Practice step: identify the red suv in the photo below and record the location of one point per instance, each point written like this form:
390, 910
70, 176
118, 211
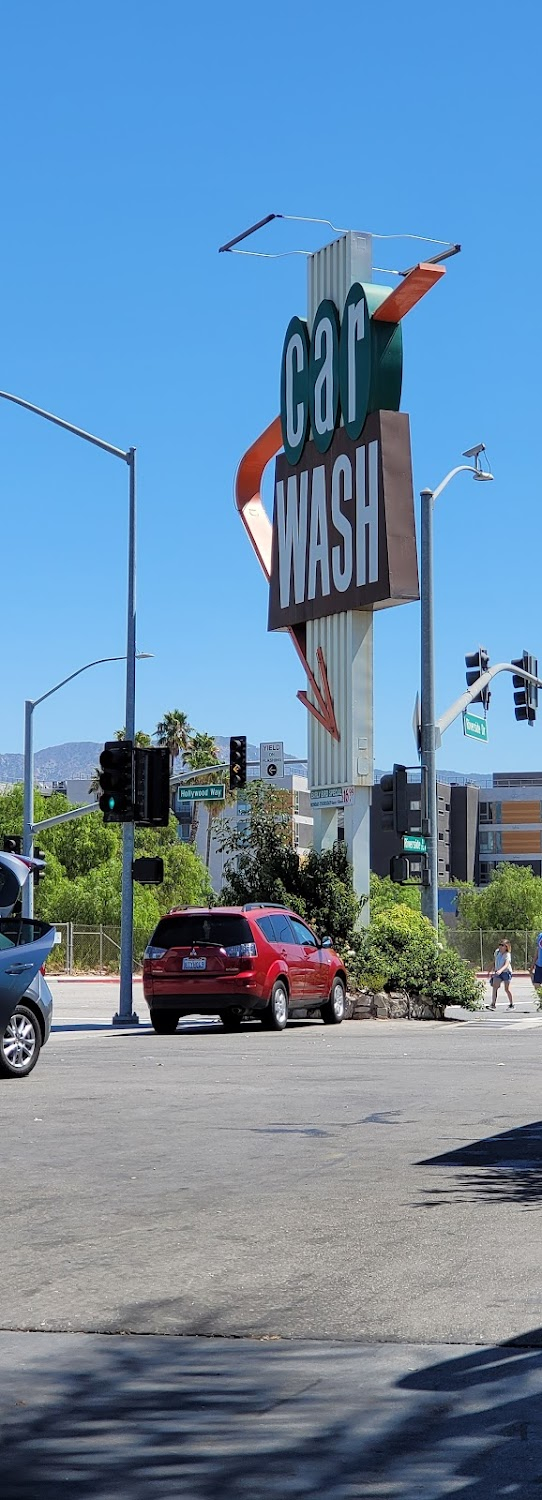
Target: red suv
238, 961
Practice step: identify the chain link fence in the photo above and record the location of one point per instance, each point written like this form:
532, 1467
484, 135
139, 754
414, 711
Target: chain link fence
96, 950
478, 945
90, 950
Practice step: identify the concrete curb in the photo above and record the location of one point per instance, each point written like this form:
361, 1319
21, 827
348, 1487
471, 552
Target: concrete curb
90, 978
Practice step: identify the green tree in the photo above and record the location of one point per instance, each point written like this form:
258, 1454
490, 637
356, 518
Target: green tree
385, 893
174, 731
512, 901
263, 866
82, 880
261, 863
326, 889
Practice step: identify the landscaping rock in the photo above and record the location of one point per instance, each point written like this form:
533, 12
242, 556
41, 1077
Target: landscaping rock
365, 1005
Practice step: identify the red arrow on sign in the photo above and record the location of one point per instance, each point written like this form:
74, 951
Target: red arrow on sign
324, 712
248, 499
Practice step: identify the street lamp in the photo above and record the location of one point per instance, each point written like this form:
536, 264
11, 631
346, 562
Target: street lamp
428, 744
125, 1012
28, 798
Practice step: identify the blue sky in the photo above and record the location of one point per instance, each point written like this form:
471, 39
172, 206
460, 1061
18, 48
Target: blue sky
137, 139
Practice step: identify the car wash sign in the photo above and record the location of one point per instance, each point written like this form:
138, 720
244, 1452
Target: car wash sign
343, 525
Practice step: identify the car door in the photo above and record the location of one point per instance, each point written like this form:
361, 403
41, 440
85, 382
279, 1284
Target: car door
285, 943
24, 944
24, 948
315, 976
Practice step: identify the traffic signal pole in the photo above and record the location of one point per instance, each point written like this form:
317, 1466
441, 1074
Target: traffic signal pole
28, 804
474, 691
126, 1016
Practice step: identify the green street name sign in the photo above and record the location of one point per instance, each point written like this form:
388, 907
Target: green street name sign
414, 843
474, 727
211, 793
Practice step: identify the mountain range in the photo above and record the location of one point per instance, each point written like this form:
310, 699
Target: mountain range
78, 759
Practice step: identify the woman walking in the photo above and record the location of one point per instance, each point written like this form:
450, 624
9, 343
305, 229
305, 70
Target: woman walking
501, 973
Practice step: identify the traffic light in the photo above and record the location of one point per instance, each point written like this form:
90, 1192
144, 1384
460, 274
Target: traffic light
116, 781
476, 664
147, 870
400, 869
394, 806
525, 693
238, 762
38, 874
152, 798
12, 843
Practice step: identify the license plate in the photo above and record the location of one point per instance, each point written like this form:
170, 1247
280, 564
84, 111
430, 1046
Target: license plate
194, 963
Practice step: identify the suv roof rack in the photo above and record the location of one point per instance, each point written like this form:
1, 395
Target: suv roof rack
265, 905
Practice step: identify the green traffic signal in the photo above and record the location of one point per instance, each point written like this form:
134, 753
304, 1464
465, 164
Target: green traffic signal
116, 781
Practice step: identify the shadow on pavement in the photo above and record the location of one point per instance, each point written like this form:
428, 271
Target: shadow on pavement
145, 1418
505, 1168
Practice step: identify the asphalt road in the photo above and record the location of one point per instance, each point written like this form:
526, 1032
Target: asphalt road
361, 1203
373, 1181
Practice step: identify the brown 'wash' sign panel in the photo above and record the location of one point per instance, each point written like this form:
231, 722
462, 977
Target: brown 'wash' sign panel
343, 525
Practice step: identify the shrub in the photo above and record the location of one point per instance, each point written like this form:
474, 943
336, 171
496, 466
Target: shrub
400, 946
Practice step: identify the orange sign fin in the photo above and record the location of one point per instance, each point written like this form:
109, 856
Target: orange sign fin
248, 500
411, 289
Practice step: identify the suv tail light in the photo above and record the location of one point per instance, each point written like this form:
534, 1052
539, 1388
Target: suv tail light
241, 950
151, 952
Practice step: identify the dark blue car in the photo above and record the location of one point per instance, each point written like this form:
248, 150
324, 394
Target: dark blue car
26, 1003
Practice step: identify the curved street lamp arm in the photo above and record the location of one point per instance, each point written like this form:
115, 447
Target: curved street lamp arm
88, 664
68, 426
461, 469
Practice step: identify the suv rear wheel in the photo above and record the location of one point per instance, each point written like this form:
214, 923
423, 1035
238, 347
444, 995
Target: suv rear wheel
20, 1045
333, 1011
275, 1014
164, 1021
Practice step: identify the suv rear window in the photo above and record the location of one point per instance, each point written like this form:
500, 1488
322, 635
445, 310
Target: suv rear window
277, 929
203, 928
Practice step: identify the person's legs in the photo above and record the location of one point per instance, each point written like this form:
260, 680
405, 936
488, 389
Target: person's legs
494, 988
509, 993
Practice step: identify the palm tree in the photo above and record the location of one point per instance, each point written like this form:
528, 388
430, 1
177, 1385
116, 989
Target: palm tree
175, 732
204, 752
140, 738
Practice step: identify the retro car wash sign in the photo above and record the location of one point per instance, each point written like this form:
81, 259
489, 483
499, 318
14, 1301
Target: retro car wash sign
343, 525
343, 370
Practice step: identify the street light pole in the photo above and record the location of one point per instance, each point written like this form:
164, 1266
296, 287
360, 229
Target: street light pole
125, 1012
428, 737
429, 760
